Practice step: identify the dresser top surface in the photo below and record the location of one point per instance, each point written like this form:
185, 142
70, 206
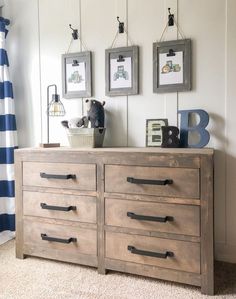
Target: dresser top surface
151, 150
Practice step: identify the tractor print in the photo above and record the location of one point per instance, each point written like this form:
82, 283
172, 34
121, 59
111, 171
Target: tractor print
170, 67
121, 73
75, 78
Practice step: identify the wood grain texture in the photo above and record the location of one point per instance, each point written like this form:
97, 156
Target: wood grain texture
185, 181
151, 198
186, 254
85, 175
135, 231
207, 226
104, 240
155, 272
86, 239
19, 207
186, 219
60, 255
86, 207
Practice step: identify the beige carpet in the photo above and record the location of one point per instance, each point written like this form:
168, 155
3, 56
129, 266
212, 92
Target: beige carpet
38, 278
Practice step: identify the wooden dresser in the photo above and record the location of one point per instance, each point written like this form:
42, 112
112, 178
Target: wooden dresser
147, 211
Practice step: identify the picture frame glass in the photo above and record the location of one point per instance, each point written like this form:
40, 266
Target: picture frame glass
75, 76
171, 68
121, 73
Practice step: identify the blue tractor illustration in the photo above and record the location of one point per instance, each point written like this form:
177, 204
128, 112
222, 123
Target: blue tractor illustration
121, 73
75, 78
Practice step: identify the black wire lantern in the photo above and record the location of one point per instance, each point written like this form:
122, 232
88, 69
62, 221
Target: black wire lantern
54, 107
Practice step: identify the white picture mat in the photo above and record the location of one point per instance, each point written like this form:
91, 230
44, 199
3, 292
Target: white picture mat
121, 81
171, 77
79, 84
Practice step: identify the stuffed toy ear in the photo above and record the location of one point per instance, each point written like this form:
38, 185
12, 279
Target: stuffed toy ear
65, 123
103, 103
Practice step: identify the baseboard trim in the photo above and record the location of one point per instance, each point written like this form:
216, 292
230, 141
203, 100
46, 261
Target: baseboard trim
225, 253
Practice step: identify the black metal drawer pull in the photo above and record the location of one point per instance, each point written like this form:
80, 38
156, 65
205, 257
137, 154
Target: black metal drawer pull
57, 208
159, 255
58, 240
57, 176
150, 218
149, 182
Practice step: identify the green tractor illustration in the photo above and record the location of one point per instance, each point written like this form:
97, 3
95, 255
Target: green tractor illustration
121, 73
170, 67
75, 78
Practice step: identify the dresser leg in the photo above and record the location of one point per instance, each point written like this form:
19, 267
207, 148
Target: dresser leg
208, 290
20, 256
102, 270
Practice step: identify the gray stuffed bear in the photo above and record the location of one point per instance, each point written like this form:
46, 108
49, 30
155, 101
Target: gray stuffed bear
95, 116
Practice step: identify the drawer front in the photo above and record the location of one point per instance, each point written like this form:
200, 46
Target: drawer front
185, 182
85, 175
186, 255
74, 208
161, 217
85, 239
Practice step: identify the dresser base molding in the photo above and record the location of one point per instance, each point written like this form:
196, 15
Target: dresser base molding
101, 191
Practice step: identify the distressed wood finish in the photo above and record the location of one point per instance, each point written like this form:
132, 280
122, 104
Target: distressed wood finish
186, 254
207, 226
185, 181
155, 272
86, 239
103, 196
85, 175
85, 206
186, 219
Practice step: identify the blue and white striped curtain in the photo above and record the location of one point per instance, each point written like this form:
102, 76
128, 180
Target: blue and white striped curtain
8, 142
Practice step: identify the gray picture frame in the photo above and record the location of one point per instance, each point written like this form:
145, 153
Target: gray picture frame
155, 143
85, 57
122, 53
170, 47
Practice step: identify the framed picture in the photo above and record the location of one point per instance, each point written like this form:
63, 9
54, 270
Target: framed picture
122, 71
172, 66
76, 75
154, 132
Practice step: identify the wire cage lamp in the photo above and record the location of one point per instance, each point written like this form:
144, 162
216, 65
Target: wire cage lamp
54, 108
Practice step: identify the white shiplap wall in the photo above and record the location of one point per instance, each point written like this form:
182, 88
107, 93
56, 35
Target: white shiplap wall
39, 34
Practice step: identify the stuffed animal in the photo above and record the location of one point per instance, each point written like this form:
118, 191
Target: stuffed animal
76, 122
95, 117
95, 113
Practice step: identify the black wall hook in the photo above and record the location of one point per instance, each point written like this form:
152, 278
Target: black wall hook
74, 33
121, 26
171, 18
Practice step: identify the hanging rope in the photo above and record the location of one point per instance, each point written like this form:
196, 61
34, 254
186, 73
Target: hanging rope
82, 43
116, 37
179, 30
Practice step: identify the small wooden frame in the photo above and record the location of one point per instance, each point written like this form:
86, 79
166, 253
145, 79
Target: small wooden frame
154, 132
172, 66
77, 75
122, 74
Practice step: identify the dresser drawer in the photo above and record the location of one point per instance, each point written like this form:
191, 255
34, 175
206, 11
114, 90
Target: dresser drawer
136, 249
60, 175
177, 182
161, 217
59, 206
54, 236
